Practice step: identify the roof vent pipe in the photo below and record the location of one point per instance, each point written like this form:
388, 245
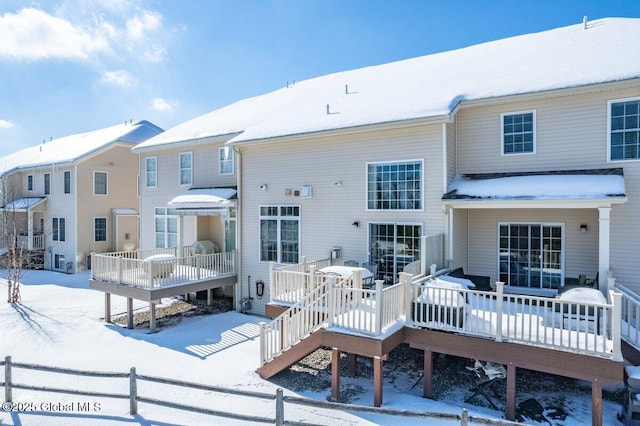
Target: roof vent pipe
584, 23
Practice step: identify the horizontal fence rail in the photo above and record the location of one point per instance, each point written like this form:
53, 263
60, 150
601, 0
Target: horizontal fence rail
279, 419
160, 268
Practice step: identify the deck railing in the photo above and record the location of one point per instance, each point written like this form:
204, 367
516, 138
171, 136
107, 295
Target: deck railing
289, 283
295, 323
135, 268
589, 328
630, 327
578, 326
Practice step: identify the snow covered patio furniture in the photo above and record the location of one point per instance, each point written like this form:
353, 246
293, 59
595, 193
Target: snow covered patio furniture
440, 303
587, 314
161, 265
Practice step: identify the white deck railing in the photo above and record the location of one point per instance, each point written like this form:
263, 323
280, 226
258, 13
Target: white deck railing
296, 322
289, 283
588, 328
134, 268
630, 315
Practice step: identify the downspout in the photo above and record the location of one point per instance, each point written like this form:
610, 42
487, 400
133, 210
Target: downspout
238, 290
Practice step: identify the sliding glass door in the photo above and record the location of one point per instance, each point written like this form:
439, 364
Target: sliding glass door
531, 255
392, 246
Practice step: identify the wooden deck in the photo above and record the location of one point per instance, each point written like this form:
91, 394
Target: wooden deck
151, 275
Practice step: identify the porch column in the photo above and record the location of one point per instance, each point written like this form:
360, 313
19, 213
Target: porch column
603, 247
30, 230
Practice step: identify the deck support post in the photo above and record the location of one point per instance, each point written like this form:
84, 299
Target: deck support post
210, 297
353, 365
511, 392
152, 317
427, 384
129, 313
107, 307
596, 403
335, 374
377, 381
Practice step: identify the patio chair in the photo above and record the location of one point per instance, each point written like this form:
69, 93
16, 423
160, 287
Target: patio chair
373, 267
351, 263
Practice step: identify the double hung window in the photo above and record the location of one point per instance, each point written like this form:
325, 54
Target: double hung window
59, 229
186, 168
226, 160
519, 132
99, 229
100, 183
151, 172
166, 227
624, 129
67, 181
47, 183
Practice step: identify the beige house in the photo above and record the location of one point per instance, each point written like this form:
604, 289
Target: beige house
361, 164
515, 160
73, 196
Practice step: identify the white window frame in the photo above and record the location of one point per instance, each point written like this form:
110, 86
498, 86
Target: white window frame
106, 182
609, 130
181, 169
64, 182
406, 200
106, 229
56, 234
279, 217
226, 160
47, 183
165, 214
533, 130
148, 173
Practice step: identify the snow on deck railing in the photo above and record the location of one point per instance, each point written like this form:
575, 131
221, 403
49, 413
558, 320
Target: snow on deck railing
589, 328
160, 269
288, 283
295, 323
630, 313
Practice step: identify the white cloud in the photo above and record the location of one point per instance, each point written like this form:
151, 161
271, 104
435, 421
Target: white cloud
160, 104
118, 78
35, 34
140, 25
5, 124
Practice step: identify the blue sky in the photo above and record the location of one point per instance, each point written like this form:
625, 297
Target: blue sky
69, 66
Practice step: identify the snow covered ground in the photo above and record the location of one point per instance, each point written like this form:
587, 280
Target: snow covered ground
59, 323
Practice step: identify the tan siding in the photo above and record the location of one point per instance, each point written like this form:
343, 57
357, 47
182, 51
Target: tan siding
121, 167
565, 126
326, 219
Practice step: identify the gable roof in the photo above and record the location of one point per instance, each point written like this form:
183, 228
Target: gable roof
72, 148
427, 87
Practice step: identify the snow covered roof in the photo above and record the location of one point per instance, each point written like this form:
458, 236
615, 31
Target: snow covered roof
556, 185
427, 87
23, 204
73, 147
204, 198
124, 212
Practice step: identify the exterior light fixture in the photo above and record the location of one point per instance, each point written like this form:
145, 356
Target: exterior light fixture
583, 228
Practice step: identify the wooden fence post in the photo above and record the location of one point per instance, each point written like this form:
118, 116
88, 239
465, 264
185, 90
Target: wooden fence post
279, 407
133, 392
7, 379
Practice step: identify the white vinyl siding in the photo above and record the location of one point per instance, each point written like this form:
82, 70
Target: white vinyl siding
624, 129
186, 168
151, 172
100, 183
518, 132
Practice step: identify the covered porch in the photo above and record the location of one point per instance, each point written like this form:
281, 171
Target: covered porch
25, 216
534, 231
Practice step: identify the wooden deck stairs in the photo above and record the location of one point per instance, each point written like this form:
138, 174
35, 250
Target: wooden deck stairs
292, 355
